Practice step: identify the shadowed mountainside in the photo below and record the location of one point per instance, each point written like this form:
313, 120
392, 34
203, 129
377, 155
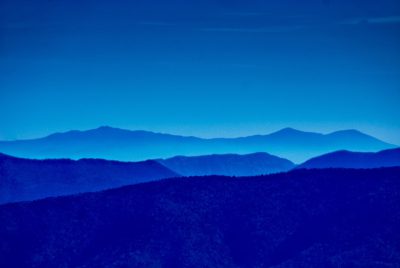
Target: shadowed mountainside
26, 179
303, 218
346, 159
126, 145
227, 164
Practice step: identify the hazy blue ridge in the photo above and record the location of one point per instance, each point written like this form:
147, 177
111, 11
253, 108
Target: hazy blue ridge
26, 179
347, 159
227, 164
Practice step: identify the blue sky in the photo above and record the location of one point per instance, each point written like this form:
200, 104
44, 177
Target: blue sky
205, 68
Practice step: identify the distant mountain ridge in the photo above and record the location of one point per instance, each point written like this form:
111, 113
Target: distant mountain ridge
26, 179
227, 164
125, 145
347, 159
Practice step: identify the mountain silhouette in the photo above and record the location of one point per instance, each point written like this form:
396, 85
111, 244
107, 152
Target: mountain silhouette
25, 179
346, 159
227, 164
303, 218
126, 145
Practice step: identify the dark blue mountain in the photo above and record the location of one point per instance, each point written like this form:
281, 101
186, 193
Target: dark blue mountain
25, 179
125, 145
304, 218
346, 159
227, 164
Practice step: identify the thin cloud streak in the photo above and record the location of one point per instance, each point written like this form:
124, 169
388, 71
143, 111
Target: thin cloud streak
278, 29
156, 23
375, 20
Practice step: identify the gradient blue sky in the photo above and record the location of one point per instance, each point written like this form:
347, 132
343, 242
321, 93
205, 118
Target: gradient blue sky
201, 67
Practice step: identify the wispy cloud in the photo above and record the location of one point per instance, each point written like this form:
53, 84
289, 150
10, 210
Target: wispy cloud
155, 23
246, 14
393, 19
295, 27
373, 20
272, 29
240, 65
264, 14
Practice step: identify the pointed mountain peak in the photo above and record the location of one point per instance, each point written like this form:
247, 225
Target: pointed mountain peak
105, 128
292, 131
287, 130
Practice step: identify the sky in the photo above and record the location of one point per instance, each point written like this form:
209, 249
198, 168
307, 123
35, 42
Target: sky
209, 68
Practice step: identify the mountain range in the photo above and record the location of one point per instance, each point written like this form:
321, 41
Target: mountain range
303, 218
125, 145
26, 179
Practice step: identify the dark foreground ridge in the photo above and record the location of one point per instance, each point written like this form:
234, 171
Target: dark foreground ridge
303, 218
